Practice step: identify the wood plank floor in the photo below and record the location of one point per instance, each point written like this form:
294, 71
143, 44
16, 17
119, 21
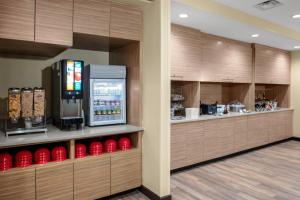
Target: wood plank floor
271, 173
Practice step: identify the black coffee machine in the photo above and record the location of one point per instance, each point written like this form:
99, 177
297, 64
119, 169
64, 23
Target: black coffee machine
67, 94
208, 109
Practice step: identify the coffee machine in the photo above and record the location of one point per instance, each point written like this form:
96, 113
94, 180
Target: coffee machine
67, 94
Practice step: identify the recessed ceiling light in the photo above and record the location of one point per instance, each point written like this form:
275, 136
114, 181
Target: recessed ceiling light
296, 16
297, 47
255, 35
183, 15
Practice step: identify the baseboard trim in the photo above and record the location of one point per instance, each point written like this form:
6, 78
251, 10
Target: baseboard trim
296, 139
232, 155
151, 195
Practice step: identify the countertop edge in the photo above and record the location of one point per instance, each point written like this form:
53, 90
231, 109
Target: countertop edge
227, 116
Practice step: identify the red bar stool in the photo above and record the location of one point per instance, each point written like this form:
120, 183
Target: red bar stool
110, 146
124, 144
80, 151
59, 154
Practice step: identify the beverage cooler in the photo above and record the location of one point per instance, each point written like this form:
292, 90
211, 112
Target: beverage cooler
105, 97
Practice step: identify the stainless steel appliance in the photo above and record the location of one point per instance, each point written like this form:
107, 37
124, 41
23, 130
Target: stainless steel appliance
105, 95
208, 109
67, 94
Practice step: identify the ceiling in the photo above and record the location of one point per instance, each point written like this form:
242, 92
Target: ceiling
212, 23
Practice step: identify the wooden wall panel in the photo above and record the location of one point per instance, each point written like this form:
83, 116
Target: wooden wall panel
17, 184
272, 66
54, 22
92, 178
17, 19
126, 22
92, 17
130, 57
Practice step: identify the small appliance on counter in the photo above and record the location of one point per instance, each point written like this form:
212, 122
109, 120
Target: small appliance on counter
192, 113
67, 94
237, 107
265, 105
221, 109
105, 95
208, 109
26, 111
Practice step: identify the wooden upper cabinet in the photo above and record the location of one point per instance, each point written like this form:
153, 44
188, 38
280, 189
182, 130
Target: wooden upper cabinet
54, 21
272, 66
225, 60
92, 17
17, 19
186, 53
125, 22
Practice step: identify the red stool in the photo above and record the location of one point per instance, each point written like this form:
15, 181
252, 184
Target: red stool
42, 156
59, 154
96, 148
23, 158
124, 144
80, 151
110, 146
5, 161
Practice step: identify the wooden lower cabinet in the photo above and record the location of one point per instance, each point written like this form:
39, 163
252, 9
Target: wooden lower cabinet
126, 170
54, 181
195, 142
219, 138
92, 178
17, 184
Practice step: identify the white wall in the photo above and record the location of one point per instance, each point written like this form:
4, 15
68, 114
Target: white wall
295, 91
28, 73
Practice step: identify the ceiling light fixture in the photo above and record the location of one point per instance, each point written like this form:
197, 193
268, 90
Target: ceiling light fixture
296, 16
296, 47
255, 35
183, 15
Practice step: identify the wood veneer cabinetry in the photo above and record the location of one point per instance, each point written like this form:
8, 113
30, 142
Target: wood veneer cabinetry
125, 22
17, 184
92, 177
186, 48
17, 19
194, 142
225, 60
92, 17
126, 170
55, 181
54, 22
272, 66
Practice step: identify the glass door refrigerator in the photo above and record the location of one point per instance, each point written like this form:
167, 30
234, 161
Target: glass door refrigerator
105, 97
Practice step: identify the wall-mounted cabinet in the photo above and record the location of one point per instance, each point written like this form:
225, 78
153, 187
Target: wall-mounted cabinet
17, 19
196, 56
125, 22
53, 22
225, 60
186, 53
272, 66
92, 17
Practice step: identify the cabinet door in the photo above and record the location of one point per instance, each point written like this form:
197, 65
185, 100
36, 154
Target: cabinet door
17, 19
125, 22
277, 129
54, 21
226, 60
126, 170
195, 142
185, 53
54, 181
240, 134
272, 66
258, 130
288, 116
91, 17
178, 146
17, 184
219, 138
92, 178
